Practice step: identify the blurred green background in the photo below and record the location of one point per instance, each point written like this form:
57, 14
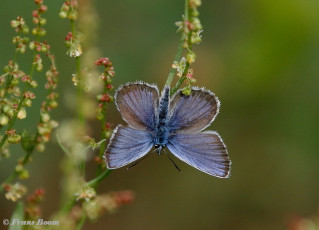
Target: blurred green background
261, 58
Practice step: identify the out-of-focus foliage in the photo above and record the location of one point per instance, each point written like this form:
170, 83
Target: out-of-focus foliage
261, 58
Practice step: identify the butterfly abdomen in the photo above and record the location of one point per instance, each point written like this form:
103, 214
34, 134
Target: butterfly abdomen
162, 130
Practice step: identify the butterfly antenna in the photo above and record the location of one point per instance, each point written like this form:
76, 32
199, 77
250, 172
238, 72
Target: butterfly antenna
138, 161
169, 157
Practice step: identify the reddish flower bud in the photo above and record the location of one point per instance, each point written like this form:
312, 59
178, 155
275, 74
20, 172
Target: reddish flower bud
69, 36
43, 8
35, 13
38, 2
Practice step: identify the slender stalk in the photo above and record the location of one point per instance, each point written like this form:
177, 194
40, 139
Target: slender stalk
99, 178
183, 77
81, 222
178, 84
178, 55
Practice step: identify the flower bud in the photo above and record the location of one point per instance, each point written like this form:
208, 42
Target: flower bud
27, 102
191, 56
10, 112
63, 14
53, 104
54, 124
40, 147
6, 108
22, 113
6, 69
44, 48
186, 90
73, 15
35, 31
14, 23
4, 153
108, 134
31, 45
35, 20
24, 174
195, 3
3, 119
42, 21
42, 32
195, 13
45, 117
15, 138
33, 84
25, 29
39, 67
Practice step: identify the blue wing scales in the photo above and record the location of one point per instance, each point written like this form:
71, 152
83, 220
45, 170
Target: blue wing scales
205, 151
137, 103
126, 145
193, 113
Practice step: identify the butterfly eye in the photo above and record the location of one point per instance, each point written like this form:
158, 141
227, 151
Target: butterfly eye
156, 146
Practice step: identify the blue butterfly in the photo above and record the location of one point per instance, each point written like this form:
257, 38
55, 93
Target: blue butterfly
175, 123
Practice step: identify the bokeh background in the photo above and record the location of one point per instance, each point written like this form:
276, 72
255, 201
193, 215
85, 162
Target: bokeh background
261, 58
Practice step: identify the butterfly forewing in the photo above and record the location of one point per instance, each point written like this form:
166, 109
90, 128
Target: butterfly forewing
137, 103
126, 146
192, 113
204, 151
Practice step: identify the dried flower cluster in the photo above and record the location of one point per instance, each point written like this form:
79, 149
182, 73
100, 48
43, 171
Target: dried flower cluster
109, 202
16, 96
32, 207
14, 191
72, 39
191, 30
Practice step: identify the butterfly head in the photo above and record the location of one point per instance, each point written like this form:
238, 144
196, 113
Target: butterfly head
159, 148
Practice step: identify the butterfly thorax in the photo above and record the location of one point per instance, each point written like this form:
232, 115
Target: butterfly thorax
162, 131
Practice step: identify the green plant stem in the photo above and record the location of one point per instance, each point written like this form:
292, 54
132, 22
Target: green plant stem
91, 183
183, 77
178, 84
81, 222
178, 55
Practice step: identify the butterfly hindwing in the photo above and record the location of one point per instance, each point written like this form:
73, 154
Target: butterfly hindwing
137, 103
204, 151
192, 113
126, 146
